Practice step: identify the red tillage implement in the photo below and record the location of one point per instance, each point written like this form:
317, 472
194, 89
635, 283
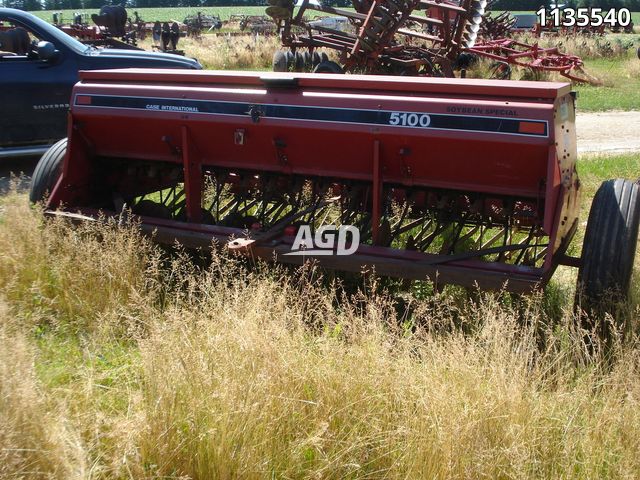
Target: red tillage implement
460, 181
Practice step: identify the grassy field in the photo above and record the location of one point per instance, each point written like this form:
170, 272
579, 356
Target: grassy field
621, 90
119, 361
163, 14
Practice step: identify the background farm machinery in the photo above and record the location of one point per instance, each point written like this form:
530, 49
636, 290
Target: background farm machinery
114, 29
255, 24
111, 28
410, 37
196, 24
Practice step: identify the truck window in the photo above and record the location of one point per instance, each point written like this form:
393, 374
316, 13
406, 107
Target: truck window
16, 41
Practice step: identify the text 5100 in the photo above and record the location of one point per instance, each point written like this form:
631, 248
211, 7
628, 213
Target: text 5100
405, 119
584, 17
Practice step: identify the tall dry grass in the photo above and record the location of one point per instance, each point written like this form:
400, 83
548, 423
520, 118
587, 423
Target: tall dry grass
588, 47
124, 362
35, 439
226, 52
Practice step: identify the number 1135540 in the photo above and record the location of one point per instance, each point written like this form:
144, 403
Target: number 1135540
585, 17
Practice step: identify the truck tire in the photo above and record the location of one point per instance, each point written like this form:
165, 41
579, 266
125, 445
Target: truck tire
609, 247
47, 171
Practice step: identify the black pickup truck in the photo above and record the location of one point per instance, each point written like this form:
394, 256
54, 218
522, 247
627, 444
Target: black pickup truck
35, 86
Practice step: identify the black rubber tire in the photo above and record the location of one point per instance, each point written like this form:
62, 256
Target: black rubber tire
328, 67
609, 248
279, 62
47, 171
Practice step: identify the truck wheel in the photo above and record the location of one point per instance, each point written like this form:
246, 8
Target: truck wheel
328, 67
47, 171
609, 247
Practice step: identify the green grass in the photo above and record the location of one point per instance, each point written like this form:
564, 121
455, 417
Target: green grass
161, 14
621, 90
593, 169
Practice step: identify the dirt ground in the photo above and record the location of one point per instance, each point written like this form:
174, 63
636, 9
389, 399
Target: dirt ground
608, 132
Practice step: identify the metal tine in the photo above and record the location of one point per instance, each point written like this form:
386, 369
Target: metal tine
311, 217
425, 228
524, 242
349, 219
229, 206
278, 210
174, 197
324, 218
449, 245
275, 212
542, 254
507, 241
178, 206
270, 208
440, 227
491, 241
409, 226
215, 202
396, 227
246, 207
365, 229
467, 235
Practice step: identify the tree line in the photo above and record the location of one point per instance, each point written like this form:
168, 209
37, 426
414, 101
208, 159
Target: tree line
531, 5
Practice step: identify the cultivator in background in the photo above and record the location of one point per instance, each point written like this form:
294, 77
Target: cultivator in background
507, 52
495, 27
200, 22
112, 28
166, 36
408, 37
256, 24
389, 36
